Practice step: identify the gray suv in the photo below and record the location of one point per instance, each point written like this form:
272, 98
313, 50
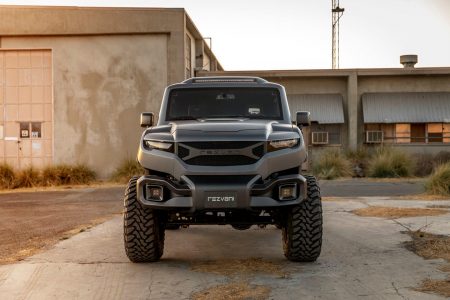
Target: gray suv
224, 151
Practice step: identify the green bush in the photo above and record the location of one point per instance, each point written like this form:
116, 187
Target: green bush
7, 176
127, 169
66, 174
388, 162
28, 177
332, 164
439, 181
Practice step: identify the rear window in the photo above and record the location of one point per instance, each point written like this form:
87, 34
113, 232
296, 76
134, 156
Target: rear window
252, 103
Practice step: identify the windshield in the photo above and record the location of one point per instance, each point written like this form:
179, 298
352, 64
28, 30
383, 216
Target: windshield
252, 103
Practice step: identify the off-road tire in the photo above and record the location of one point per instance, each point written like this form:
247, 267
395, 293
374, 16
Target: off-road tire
302, 231
143, 234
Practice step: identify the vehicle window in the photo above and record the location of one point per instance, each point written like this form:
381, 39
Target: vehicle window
253, 103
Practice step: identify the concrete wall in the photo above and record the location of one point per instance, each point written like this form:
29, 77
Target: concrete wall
101, 85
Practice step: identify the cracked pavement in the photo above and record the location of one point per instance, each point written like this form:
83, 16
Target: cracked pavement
361, 258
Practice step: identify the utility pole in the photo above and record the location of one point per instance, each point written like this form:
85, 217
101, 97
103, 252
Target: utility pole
336, 14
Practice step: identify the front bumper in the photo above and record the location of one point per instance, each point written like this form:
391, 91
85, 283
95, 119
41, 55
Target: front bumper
196, 194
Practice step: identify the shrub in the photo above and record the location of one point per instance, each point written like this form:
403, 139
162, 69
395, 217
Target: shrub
359, 159
28, 177
426, 163
332, 164
7, 176
439, 181
127, 169
66, 174
389, 162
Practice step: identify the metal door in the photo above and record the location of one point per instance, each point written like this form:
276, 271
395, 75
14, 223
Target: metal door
26, 108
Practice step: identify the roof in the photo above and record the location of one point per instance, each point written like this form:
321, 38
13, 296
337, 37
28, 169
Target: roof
438, 71
428, 107
324, 108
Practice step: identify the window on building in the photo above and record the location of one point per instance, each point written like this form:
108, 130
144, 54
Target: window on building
188, 56
408, 133
30, 130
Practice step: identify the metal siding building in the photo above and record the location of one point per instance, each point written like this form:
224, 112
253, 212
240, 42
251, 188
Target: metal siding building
430, 107
324, 108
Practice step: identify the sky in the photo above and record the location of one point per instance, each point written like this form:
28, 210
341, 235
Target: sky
296, 34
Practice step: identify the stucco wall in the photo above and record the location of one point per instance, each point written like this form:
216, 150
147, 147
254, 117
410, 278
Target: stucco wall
101, 85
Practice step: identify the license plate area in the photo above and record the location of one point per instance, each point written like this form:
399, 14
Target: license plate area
220, 199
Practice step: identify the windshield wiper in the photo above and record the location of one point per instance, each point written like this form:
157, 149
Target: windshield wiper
182, 118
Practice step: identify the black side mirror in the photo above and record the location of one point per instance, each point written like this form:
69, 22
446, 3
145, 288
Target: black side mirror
303, 118
146, 119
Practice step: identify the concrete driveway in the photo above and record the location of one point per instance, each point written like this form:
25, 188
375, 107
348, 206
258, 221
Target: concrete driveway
362, 258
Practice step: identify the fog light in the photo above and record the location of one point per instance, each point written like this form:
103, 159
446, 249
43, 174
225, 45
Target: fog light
288, 191
154, 193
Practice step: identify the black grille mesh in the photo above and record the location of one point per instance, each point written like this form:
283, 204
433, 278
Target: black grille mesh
221, 160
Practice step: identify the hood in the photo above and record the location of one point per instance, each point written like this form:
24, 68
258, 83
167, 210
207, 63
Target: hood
223, 130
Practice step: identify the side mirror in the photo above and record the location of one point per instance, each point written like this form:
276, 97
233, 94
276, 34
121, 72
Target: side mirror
303, 118
146, 119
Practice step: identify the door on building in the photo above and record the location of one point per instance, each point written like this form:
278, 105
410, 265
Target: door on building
26, 108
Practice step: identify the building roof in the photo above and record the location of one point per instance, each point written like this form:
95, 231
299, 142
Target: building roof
324, 108
406, 107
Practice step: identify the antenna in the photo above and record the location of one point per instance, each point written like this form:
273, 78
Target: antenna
336, 14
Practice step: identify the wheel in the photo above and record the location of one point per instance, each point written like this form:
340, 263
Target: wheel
172, 226
302, 231
143, 235
241, 226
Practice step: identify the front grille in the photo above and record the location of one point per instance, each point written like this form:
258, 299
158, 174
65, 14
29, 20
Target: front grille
220, 145
221, 160
223, 153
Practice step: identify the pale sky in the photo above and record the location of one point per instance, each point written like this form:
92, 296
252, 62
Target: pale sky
296, 34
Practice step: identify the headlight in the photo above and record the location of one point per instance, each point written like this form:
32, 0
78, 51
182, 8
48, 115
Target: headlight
163, 146
282, 144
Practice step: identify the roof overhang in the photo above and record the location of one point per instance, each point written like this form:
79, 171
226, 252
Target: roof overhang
324, 108
431, 107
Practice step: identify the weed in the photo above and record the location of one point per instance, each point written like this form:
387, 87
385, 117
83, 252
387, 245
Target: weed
127, 169
28, 177
389, 163
439, 181
332, 164
7, 176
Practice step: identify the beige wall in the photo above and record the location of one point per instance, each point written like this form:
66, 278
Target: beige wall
101, 84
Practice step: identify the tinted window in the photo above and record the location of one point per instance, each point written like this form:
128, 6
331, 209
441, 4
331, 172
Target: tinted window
254, 103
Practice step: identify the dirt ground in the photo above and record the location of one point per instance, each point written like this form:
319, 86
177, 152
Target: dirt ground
30, 222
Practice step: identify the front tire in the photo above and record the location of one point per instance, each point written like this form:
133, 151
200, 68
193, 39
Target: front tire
142, 232
302, 231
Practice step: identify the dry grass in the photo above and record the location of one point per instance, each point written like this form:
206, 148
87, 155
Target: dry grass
233, 291
67, 174
127, 169
429, 246
331, 165
27, 178
7, 177
445, 268
239, 267
441, 287
389, 162
397, 212
439, 181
